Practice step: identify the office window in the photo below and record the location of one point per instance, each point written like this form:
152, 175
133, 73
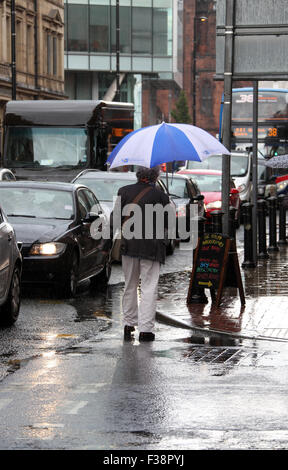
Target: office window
125, 29
99, 28
162, 31
77, 28
141, 30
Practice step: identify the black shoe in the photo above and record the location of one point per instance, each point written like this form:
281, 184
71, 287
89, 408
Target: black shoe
146, 336
127, 332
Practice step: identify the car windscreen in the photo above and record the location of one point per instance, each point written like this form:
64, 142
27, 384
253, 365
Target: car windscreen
177, 187
208, 183
38, 203
46, 147
239, 164
105, 189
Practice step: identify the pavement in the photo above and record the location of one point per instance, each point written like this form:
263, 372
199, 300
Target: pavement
263, 317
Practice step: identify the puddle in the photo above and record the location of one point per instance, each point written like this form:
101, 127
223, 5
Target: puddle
76, 351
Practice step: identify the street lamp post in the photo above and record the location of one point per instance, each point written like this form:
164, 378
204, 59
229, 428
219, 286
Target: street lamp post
117, 94
202, 19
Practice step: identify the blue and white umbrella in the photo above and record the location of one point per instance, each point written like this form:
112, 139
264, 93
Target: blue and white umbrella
163, 143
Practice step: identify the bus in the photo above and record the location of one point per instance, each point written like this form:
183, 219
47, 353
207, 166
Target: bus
272, 120
54, 140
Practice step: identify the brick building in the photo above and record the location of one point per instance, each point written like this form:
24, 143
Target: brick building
199, 59
39, 27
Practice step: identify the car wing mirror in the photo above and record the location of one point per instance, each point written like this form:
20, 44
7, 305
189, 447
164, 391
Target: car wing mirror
91, 216
200, 197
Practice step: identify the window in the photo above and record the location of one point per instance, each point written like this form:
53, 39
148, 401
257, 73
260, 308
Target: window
162, 29
29, 48
36, 202
55, 56
8, 36
206, 98
19, 42
7, 176
77, 28
195, 189
83, 204
49, 53
99, 28
92, 201
141, 30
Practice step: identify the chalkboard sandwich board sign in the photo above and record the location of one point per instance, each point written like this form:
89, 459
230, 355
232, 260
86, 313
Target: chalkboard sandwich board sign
215, 266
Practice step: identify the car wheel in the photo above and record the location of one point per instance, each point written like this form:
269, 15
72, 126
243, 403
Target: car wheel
102, 278
10, 309
70, 285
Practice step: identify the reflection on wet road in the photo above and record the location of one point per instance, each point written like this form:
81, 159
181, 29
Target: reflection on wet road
71, 382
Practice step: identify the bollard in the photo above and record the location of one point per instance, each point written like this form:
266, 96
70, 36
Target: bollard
262, 212
248, 236
201, 226
282, 220
216, 221
232, 222
272, 207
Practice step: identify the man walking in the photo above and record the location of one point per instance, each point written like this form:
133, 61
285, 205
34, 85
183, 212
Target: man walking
142, 256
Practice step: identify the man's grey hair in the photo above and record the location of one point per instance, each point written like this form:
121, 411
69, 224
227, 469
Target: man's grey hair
150, 174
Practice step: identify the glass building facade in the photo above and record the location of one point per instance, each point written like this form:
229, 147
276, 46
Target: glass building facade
149, 39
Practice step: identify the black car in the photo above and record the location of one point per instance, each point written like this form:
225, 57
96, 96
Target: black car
184, 191
53, 223
10, 273
105, 185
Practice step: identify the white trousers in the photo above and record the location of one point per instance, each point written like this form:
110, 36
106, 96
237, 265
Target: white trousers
144, 314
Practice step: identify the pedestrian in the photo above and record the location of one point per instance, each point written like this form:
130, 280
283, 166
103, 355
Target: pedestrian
142, 256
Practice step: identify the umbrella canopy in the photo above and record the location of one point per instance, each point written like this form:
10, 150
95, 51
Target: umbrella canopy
163, 143
279, 161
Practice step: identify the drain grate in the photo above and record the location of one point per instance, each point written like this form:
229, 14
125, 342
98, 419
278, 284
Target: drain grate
228, 356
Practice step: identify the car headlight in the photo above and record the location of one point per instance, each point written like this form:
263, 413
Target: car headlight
282, 185
214, 205
47, 249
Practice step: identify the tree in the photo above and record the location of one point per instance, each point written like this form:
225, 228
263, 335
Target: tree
181, 112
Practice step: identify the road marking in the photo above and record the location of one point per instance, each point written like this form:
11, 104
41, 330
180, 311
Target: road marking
72, 407
16, 386
89, 388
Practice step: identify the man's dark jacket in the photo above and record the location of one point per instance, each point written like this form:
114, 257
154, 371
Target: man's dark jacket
152, 249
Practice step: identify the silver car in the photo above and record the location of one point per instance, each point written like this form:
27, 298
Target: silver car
10, 273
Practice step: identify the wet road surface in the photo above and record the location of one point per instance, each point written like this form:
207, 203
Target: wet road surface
70, 382
180, 392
